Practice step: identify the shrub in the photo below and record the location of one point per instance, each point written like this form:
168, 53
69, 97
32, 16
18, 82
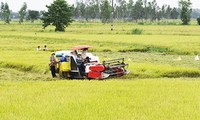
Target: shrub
137, 31
198, 20
141, 23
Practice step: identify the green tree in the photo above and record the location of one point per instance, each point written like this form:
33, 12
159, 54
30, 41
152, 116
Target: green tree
168, 11
59, 15
138, 11
22, 13
92, 9
153, 12
174, 14
186, 11
82, 9
76, 10
33, 15
106, 10
122, 9
88, 9
146, 12
198, 20
5, 13
159, 14
1, 10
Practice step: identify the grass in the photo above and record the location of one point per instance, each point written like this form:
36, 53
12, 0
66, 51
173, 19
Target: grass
22, 47
187, 44
133, 99
12, 74
160, 86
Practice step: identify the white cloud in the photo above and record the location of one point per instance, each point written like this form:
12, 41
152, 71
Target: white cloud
15, 5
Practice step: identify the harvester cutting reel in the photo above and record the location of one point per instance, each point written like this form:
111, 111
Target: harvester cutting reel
109, 68
115, 67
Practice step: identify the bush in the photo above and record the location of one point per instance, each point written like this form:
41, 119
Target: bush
141, 23
137, 31
198, 20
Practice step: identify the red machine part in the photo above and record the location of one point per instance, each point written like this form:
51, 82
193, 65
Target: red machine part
98, 68
95, 72
94, 75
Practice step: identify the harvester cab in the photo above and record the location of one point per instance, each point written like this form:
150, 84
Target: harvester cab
74, 68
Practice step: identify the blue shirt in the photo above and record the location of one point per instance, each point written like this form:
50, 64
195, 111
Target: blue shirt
63, 59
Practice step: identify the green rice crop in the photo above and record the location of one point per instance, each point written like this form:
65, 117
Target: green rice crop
18, 46
159, 86
160, 99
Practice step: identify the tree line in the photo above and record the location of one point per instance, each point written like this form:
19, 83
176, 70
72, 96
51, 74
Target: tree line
6, 13
123, 10
132, 10
61, 14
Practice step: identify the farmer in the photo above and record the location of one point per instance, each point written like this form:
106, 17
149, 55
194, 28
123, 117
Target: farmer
45, 48
63, 58
52, 64
83, 54
80, 64
38, 48
79, 60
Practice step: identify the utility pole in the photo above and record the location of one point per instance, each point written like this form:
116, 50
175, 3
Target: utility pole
112, 14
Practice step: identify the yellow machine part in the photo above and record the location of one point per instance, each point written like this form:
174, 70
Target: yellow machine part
64, 66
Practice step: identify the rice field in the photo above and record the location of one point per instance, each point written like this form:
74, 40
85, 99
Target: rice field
163, 82
142, 99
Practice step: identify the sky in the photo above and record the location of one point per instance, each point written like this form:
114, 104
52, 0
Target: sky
15, 5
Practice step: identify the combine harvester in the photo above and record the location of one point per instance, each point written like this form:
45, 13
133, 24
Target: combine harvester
93, 69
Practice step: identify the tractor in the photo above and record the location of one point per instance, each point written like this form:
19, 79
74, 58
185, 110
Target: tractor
90, 68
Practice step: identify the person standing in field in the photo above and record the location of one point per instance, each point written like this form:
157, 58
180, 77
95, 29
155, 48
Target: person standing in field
52, 64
